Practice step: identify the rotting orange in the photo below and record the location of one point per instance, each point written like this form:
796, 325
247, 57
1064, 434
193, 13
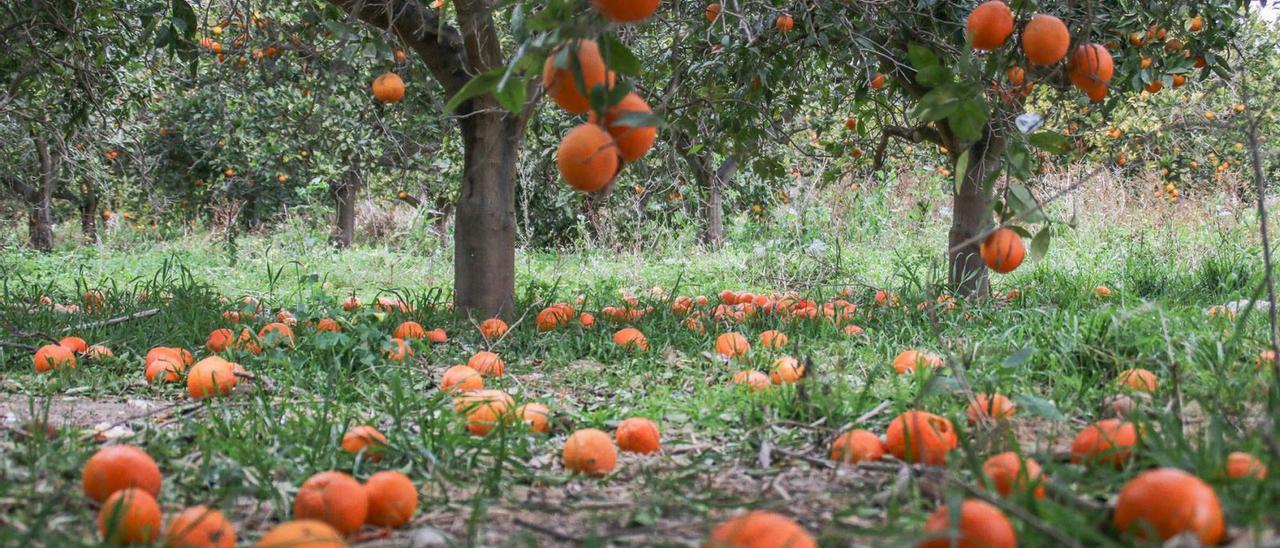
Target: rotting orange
219, 340
857, 446
493, 328
1138, 379
909, 360
1010, 473
754, 380
410, 330
487, 364
989, 407
920, 437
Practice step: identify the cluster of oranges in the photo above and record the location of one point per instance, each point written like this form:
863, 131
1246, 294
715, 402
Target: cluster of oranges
592, 154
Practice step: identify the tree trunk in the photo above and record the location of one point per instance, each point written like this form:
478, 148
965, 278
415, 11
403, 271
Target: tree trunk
345, 196
40, 200
713, 215
89, 214
441, 222
971, 215
484, 255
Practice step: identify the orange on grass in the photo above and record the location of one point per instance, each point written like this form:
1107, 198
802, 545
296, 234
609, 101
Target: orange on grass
493, 328
180, 355
754, 380
760, 529
1169, 502
392, 499
786, 370
989, 407
1003, 250
562, 82
484, 409
638, 435
590, 451
276, 334
200, 527
631, 338
397, 350
461, 378
388, 88
626, 11
212, 376
857, 446
1102, 292
633, 142
53, 356
328, 324
773, 339
350, 303
334, 498
117, 467
1045, 39
989, 25
909, 360
164, 369
550, 318
437, 336
302, 532
365, 438
981, 525
129, 516
1243, 465
74, 344
588, 158
487, 364
410, 331
219, 340
536, 416
920, 437
98, 352
732, 345
1105, 441
1138, 379
1009, 472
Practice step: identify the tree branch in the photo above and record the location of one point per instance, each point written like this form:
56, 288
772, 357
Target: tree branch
440, 46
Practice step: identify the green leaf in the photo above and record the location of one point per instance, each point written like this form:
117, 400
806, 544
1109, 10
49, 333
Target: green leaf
968, 119
512, 95
921, 57
1019, 160
618, 58
962, 165
933, 76
1051, 142
1025, 204
937, 104
182, 12
1040, 244
1018, 358
481, 84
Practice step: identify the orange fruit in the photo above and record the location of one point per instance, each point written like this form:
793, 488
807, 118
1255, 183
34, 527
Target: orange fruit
487, 364
129, 516
392, 499
713, 11
437, 336
857, 446
484, 409
52, 356
1169, 502
98, 352
590, 451
1108, 440
633, 142
1243, 465
784, 23
773, 339
328, 324
989, 25
989, 407
365, 438
1003, 250
1045, 39
200, 527
1090, 64
117, 467
1102, 291
219, 340
562, 83
920, 437
388, 88
350, 303
909, 360
877, 81
1016, 75
334, 498
1138, 379
74, 344
164, 369
410, 331
786, 370
638, 435
536, 416
981, 525
631, 338
302, 533
588, 158
397, 350
625, 11
760, 529
732, 345
1008, 473
461, 378
212, 376
493, 328
276, 334
179, 355
754, 380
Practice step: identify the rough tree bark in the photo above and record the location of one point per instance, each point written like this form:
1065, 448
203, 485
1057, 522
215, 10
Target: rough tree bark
344, 195
40, 199
971, 214
712, 180
441, 222
88, 202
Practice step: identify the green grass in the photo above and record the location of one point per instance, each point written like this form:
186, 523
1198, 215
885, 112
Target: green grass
1056, 351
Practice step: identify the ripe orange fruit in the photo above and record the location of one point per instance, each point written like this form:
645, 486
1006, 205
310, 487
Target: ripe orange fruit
1179, 80
493, 328
117, 467
631, 338
786, 370
638, 435
350, 303
397, 350
1003, 250
179, 355
52, 356
981, 524
713, 11
920, 437
276, 334
484, 409
487, 364
989, 407
550, 318
200, 527
754, 380
392, 499
302, 532
625, 11
1102, 291
1196, 24
129, 516
989, 25
590, 451
164, 369
562, 83
588, 158
1108, 440
909, 360
212, 376
1045, 39
410, 331
74, 344
1090, 64
633, 142
1096, 92
877, 81
388, 88
219, 340
328, 324
773, 339
536, 416
98, 352
1169, 502
732, 345
1243, 465
365, 438
760, 529
334, 498
784, 23
1008, 474
461, 378
437, 336
1154, 87
399, 56
857, 446
1016, 75
1138, 379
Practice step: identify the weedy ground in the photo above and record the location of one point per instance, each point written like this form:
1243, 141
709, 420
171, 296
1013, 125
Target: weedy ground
1056, 351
